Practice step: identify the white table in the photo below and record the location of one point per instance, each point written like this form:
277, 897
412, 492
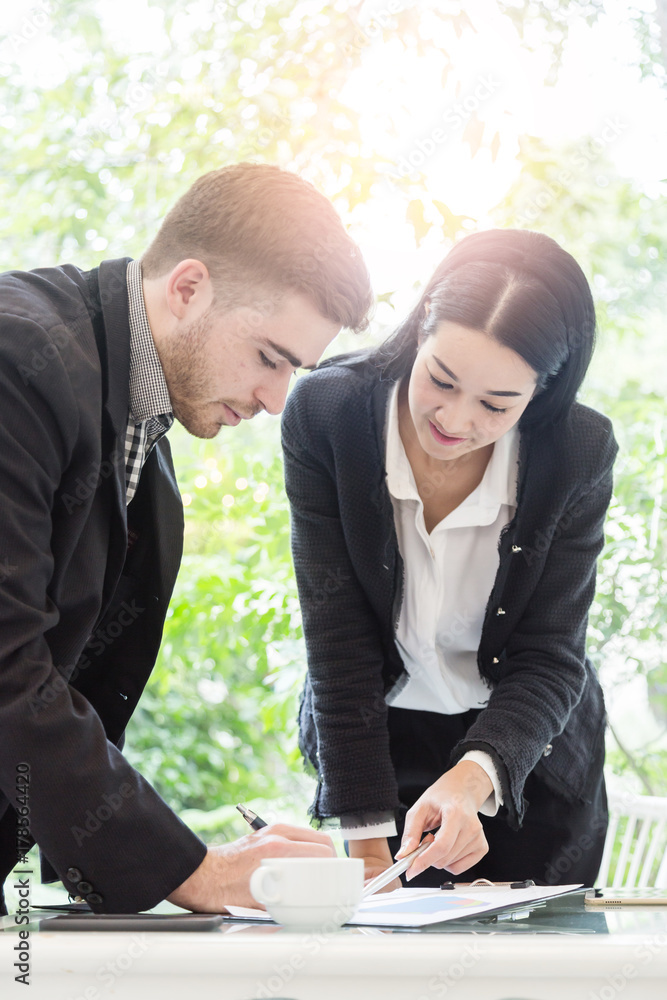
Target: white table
251, 962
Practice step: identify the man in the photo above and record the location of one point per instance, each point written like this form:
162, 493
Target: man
250, 276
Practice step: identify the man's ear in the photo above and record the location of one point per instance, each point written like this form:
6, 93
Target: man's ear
188, 289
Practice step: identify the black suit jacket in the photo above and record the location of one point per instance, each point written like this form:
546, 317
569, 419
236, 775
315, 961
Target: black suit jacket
84, 587
545, 711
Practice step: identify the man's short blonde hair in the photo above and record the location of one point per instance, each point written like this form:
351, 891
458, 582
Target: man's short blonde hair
258, 228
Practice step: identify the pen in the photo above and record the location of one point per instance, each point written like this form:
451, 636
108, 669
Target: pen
256, 822
396, 869
483, 882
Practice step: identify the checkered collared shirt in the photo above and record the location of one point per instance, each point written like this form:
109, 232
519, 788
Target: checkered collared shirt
150, 413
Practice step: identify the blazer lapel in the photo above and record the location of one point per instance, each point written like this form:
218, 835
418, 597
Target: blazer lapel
112, 330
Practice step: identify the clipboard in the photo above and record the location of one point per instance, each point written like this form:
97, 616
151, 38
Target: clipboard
414, 908
408, 907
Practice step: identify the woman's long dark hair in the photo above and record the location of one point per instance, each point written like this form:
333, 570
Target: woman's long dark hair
522, 289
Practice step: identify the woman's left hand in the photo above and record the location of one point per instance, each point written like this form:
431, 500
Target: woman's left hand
451, 803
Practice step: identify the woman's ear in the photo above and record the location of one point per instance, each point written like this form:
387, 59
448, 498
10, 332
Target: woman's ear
540, 386
421, 334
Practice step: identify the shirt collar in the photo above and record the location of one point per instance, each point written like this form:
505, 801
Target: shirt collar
400, 478
149, 395
498, 485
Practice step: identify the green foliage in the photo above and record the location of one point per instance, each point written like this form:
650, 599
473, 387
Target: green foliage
549, 23
618, 234
614, 229
123, 126
628, 628
97, 143
218, 720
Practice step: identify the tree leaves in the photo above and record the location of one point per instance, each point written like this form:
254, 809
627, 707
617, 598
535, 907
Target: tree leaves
417, 219
103, 152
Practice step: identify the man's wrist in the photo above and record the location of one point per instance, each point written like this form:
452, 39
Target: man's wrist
192, 888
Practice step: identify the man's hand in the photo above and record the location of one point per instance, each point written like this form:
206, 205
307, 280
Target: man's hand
377, 858
224, 875
451, 803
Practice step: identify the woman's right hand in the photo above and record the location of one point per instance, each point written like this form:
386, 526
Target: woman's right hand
376, 857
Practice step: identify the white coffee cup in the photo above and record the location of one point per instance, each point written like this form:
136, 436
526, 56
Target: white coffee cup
309, 893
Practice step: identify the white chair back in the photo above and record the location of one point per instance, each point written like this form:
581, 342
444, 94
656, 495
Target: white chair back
635, 850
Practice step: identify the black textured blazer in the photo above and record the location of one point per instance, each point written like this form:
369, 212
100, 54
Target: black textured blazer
545, 711
84, 589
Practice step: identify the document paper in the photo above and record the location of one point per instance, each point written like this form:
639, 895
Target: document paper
419, 907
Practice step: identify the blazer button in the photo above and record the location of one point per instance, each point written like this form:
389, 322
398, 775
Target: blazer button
516, 548
84, 887
95, 897
500, 611
547, 750
496, 660
74, 875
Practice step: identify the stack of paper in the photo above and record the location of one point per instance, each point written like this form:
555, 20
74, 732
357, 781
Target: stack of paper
418, 907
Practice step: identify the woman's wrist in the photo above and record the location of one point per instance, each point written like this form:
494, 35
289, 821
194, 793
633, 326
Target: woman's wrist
475, 781
376, 847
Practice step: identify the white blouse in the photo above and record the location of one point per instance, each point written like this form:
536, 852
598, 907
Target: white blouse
448, 576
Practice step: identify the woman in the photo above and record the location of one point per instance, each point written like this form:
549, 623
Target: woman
448, 499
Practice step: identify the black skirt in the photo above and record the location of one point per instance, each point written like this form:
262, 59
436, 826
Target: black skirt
559, 842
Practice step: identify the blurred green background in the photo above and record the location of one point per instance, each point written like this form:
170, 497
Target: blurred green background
422, 121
